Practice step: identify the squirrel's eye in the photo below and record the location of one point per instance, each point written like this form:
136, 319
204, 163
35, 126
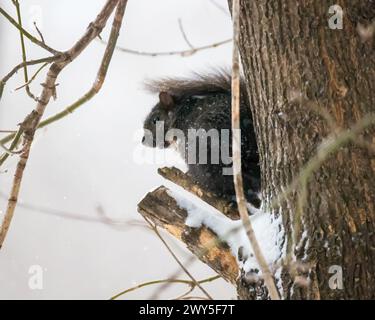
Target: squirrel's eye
155, 120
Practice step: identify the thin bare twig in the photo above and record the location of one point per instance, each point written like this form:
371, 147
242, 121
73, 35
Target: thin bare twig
330, 145
102, 219
196, 283
163, 210
182, 53
236, 147
27, 34
33, 76
150, 283
32, 121
39, 32
220, 7
4, 80
17, 137
8, 151
27, 88
190, 290
193, 298
8, 131
184, 34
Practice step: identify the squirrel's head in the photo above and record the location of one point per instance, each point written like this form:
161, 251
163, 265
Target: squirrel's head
159, 121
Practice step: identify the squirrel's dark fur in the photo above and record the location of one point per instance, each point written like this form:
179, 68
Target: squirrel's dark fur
204, 102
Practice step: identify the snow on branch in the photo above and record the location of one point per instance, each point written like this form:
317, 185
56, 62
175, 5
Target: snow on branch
164, 211
185, 181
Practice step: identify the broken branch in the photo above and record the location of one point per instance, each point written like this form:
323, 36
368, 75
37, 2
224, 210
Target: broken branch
162, 209
185, 181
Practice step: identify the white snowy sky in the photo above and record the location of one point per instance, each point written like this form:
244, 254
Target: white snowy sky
87, 159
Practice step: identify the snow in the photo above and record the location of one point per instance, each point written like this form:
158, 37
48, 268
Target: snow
268, 230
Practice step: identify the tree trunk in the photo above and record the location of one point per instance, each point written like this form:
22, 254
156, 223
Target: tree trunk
307, 85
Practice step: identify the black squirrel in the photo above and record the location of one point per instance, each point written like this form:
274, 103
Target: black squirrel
204, 102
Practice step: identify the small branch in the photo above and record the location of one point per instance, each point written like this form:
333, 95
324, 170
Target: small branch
150, 283
39, 32
118, 225
331, 144
23, 64
160, 208
17, 137
194, 281
182, 53
8, 131
236, 147
184, 34
33, 77
8, 151
220, 7
193, 298
27, 34
185, 181
29, 93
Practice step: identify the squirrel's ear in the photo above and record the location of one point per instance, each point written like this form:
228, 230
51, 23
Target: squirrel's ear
166, 100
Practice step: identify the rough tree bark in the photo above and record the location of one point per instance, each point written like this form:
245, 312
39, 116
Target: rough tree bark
307, 82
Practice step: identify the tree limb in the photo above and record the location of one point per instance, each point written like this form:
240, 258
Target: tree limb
160, 208
185, 181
